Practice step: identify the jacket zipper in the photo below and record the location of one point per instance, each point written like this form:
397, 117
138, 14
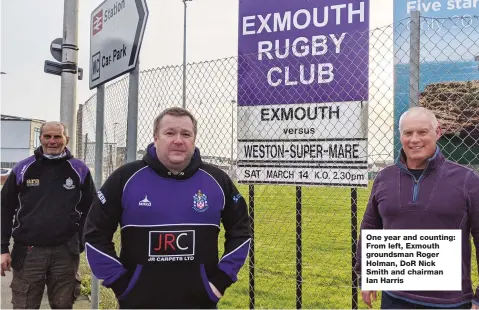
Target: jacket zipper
75, 207
415, 187
18, 212
415, 190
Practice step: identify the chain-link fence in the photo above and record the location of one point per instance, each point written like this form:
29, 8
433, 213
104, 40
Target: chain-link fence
305, 235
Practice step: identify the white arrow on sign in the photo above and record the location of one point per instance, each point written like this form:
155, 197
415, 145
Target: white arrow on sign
116, 34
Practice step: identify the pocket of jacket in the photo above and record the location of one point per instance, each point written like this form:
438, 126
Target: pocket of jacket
19, 252
206, 284
74, 244
133, 281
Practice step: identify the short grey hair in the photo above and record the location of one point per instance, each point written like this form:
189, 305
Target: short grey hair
61, 124
419, 111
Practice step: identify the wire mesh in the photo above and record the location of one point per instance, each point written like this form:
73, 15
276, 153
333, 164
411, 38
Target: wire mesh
448, 84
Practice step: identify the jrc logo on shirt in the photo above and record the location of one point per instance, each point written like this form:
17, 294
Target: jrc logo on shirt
172, 245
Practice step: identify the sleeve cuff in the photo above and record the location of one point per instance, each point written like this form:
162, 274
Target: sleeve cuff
475, 302
119, 285
221, 280
5, 249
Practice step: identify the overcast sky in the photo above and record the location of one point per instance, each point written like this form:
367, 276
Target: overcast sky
28, 27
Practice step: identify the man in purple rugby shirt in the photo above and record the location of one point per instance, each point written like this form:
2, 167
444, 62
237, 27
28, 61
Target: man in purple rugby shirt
169, 205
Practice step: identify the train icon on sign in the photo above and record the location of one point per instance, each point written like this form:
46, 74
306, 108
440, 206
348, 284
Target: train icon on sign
95, 66
97, 22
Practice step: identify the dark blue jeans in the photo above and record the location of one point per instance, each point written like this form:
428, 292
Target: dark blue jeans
389, 302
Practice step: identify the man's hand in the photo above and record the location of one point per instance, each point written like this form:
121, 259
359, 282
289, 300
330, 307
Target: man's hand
6, 263
474, 306
215, 290
366, 295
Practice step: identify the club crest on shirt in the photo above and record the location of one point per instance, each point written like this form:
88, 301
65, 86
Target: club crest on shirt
200, 202
69, 184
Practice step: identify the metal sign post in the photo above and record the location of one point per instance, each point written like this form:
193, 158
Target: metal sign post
116, 33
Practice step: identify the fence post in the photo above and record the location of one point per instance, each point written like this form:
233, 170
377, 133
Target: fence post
354, 242
85, 150
251, 250
132, 119
79, 133
100, 128
299, 248
414, 58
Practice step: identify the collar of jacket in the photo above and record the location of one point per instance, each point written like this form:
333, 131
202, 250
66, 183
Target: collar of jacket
39, 154
433, 163
152, 160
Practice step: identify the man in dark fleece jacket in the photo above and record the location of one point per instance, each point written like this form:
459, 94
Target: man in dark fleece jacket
45, 201
169, 206
423, 190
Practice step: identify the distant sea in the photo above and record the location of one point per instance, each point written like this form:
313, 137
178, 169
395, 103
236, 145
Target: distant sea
433, 72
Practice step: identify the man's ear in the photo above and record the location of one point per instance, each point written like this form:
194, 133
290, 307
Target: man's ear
439, 130
68, 140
